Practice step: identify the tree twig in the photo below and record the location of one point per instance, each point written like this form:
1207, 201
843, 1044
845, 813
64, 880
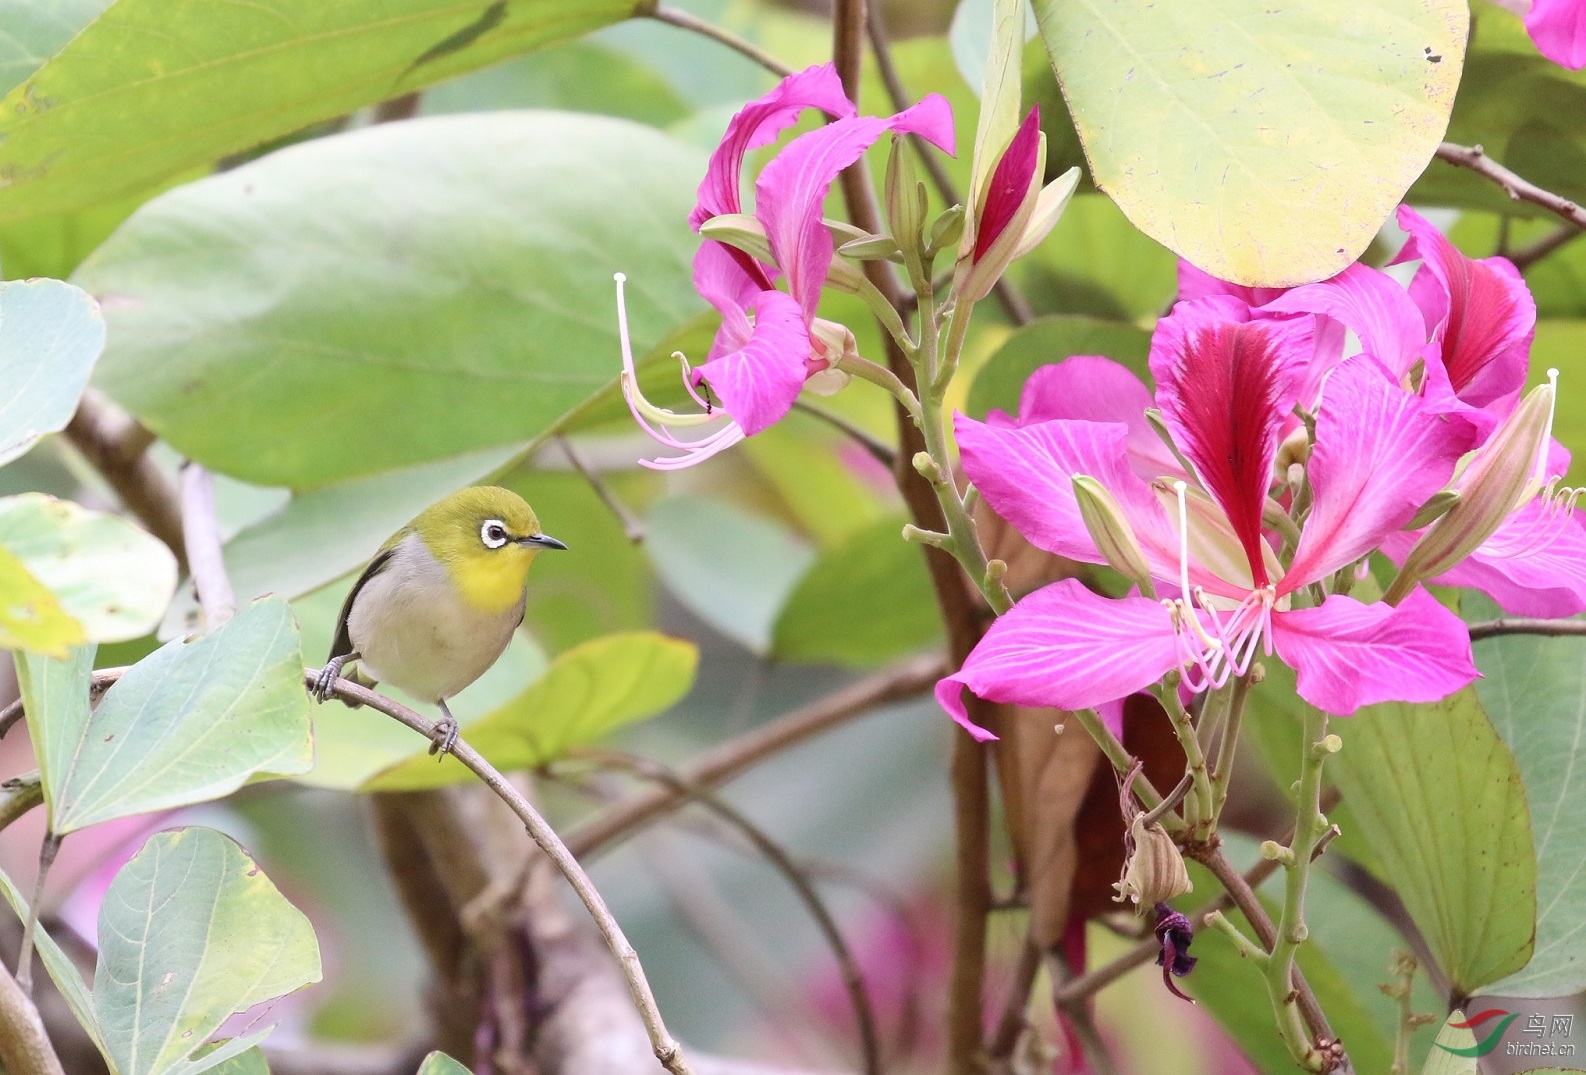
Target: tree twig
1518, 189
1522, 625
24, 1047
117, 446
47, 852
632, 525
694, 24
878, 449
1532, 253
666, 1048
201, 539
102, 680
722, 763
1013, 1021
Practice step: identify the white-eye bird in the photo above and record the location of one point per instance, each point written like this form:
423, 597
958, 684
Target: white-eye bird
438, 603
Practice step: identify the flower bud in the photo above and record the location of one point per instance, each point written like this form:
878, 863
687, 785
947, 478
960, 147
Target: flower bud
833, 342
1111, 532
1155, 870
742, 231
872, 248
946, 230
1503, 476
1049, 206
1003, 213
906, 202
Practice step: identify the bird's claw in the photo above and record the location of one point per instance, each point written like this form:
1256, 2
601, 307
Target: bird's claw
326, 680
443, 737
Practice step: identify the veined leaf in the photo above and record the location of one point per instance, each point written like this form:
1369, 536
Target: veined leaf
50, 335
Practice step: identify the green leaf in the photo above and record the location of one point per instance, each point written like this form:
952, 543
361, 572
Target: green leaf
50, 335
587, 692
865, 602
804, 460
110, 576
438, 1063
192, 908
1440, 800
30, 616
1266, 144
61, 969
206, 80
490, 318
251, 1062
191, 722
1534, 690
1562, 345
1047, 340
732, 569
35, 30
1441, 1061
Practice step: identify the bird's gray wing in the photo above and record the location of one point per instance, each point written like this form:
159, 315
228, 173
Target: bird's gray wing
342, 647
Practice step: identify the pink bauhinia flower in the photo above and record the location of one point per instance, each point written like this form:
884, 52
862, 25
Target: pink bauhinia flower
1246, 578
770, 342
1559, 29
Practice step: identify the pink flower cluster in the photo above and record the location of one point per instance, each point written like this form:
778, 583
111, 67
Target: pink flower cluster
1264, 403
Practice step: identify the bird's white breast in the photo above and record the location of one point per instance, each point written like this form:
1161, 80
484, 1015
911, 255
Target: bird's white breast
412, 629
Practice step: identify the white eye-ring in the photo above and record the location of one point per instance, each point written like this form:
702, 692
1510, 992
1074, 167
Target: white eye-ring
493, 534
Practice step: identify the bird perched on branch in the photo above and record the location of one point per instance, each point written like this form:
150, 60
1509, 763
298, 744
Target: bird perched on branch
438, 604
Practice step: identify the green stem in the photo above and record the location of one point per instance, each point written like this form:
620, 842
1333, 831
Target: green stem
1228, 746
1197, 806
883, 378
1247, 948
1122, 762
957, 329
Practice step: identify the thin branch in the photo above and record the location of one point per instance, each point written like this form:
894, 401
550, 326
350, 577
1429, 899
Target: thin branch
667, 1050
1385, 900
1097, 1058
24, 1047
694, 24
19, 795
1532, 253
201, 539
102, 679
773, 852
632, 525
1520, 625
1014, 1019
722, 763
117, 446
878, 449
1518, 189
47, 852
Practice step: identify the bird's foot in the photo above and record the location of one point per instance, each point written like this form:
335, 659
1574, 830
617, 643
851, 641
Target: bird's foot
326, 680
444, 736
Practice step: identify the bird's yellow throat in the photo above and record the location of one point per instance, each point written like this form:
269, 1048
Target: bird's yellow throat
492, 582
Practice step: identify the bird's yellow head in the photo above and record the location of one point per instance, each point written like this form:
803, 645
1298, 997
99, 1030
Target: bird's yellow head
486, 537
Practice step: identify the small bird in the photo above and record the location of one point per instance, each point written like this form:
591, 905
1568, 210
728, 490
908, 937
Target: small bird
438, 604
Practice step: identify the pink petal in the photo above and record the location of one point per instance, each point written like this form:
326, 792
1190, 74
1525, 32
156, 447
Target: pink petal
1535, 565
1225, 386
1380, 454
1010, 182
1195, 284
1559, 29
1372, 305
791, 191
757, 124
758, 383
720, 279
1065, 647
1090, 388
1480, 312
1350, 655
1026, 475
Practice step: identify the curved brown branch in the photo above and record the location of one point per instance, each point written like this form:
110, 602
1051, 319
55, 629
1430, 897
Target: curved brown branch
1519, 189
667, 1050
1520, 625
715, 767
1532, 253
24, 1047
117, 446
694, 24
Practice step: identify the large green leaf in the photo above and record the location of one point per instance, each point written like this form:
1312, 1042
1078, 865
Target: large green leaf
191, 722
1048, 340
1440, 800
153, 87
435, 287
587, 692
35, 30
30, 616
1264, 143
191, 931
866, 601
107, 574
1535, 691
50, 335
731, 568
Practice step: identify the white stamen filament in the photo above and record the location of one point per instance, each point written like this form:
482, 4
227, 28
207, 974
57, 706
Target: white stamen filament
1540, 475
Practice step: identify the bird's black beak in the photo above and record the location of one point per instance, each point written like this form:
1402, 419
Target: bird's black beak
543, 541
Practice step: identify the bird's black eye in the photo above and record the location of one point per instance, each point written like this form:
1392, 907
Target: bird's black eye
493, 534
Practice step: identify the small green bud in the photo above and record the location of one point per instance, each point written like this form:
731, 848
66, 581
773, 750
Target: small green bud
946, 230
996, 570
927, 467
739, 230
905, 200
872, 248
1434, 509
1111, 532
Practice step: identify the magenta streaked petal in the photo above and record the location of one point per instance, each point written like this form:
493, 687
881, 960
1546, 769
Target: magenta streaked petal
758, 383
1559, 29
1091, 388
1065, 647
1533, 566
1372, 305
1026, 476
758, 123
1010, 182
1195, 284
1480, 312
721, 281
1225, 385
1350, 655
791, 191
1380, 454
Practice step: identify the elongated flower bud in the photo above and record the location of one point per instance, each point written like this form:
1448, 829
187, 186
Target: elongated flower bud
1003, 215
1111, 532
1504, 474
906, 204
